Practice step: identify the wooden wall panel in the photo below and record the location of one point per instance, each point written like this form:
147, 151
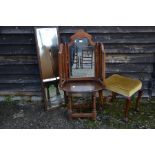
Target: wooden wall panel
19, 71
107, 29
15, 49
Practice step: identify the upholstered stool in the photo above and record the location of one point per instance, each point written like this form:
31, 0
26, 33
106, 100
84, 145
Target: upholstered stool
124, 86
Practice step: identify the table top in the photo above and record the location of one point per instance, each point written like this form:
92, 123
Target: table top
82, 86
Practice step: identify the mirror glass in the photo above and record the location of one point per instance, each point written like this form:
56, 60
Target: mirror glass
82, 61
47, 41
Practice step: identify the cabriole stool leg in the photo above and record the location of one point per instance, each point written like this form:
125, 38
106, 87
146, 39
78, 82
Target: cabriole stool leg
140, 92
127, 105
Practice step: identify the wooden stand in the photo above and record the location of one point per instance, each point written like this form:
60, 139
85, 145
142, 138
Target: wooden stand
91, 85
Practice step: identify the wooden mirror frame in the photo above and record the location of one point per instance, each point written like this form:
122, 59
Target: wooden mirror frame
64, 59
45, 84
81, 34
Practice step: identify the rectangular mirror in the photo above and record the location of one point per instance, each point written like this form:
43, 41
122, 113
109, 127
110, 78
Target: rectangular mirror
82, 59
47, 41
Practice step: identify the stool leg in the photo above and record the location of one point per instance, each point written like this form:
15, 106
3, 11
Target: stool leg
127, 105
69, 107
94, 106
113, 96
140, 92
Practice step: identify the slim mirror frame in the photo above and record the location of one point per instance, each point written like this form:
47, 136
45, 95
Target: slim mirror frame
50, 76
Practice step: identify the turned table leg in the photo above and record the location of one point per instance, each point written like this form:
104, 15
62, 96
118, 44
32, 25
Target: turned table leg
101, 96
65, 98
140, 92
69, 107
101, 99
94, 106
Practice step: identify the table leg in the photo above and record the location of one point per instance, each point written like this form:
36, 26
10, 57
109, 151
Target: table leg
94, 106
69, 107
101, 97
65, 98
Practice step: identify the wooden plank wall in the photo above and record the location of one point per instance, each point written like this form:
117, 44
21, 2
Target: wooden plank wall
19, 73
130, 51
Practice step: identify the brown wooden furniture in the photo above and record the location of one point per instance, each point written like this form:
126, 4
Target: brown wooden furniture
125, 86
78, 80
47, 42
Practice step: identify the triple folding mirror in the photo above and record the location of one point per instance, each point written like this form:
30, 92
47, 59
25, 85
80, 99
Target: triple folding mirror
47, 41
82, 73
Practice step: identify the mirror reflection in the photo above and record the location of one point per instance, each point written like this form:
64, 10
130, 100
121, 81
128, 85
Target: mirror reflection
47, 39
82, 59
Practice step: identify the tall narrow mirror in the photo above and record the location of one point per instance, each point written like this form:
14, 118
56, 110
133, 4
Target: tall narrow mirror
82, 60
47, 41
